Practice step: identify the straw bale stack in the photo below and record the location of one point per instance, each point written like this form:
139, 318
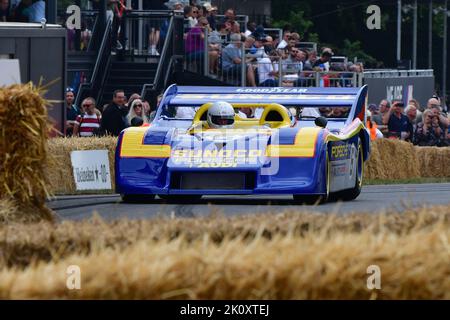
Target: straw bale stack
23, 152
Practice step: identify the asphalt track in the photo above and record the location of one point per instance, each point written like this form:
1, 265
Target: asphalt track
373, 199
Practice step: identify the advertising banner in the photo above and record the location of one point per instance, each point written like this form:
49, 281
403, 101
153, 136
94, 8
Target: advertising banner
420, 88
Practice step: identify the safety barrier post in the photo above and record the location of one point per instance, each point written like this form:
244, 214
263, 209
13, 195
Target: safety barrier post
243, 66
280, 73
206, 53
317, 79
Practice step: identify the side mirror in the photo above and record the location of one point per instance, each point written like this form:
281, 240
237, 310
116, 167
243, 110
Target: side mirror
137, 122
321, 122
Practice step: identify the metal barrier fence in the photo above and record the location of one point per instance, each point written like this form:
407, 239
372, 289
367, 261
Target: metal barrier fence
143, 32
398, 73
238, 63
282, 73
275, 33
310, 46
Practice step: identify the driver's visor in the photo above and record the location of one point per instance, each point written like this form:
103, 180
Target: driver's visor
222, 121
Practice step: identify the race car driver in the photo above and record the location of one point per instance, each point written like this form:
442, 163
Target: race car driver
220, 115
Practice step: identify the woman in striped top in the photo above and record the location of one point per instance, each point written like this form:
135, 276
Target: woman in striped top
87, 124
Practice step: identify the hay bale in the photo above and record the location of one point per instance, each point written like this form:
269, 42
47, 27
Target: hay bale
433, 161
292, 255
61, 176
23, 151
392, 159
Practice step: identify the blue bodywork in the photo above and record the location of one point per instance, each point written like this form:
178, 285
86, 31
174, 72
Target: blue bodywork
297, 175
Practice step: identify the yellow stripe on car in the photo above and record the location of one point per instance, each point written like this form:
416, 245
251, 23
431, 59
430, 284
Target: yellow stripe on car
132, 145
304, 145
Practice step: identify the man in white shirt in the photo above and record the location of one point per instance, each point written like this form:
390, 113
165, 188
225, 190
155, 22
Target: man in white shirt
267, 72
283, 43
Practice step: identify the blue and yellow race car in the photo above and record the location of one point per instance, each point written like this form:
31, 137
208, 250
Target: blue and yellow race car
307, 142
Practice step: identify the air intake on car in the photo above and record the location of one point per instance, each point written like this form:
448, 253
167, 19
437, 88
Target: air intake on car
213, 180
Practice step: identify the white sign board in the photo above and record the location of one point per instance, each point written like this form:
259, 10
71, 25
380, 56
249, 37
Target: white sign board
10, 72
91, 169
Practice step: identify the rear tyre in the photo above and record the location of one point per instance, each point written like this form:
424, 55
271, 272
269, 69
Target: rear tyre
317, 199
137, 198
353, 193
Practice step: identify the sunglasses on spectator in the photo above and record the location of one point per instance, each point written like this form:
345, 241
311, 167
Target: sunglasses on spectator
138, 105
87, 104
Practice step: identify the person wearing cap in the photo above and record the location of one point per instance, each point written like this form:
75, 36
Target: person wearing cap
232, 61
72, 112
397, 122
212, 10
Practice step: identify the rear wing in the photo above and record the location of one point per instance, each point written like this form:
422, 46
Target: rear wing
311, 97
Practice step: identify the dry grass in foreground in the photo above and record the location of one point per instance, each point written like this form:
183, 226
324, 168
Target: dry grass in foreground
291, 255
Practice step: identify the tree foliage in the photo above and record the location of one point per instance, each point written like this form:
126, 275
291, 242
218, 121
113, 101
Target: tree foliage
341, 24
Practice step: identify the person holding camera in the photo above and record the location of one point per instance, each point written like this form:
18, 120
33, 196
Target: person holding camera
434, 104
429, 132
398, 123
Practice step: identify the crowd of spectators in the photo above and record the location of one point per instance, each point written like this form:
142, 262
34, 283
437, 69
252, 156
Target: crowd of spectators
422, 126
89, 120
267, 60
427, 126
22, 10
